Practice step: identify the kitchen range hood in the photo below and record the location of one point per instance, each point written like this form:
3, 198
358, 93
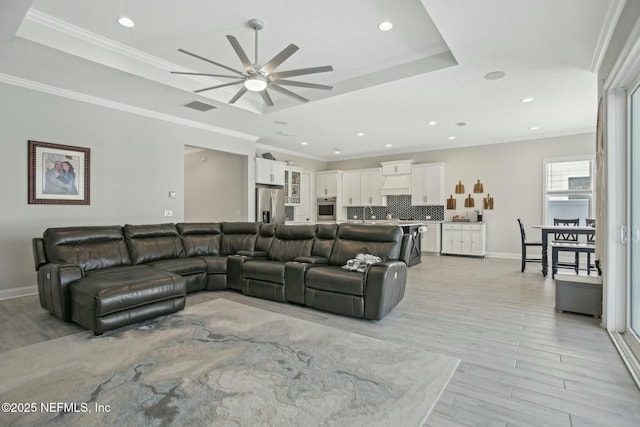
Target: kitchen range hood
396, 178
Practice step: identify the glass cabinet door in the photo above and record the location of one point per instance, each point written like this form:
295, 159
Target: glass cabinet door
295, 188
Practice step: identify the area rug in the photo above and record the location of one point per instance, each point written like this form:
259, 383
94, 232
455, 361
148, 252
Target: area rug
221, 363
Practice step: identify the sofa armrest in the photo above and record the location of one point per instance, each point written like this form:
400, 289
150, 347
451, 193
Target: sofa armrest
385, 284
252, 254
405, 249
294, 279
53, 288
312, 260
39, 255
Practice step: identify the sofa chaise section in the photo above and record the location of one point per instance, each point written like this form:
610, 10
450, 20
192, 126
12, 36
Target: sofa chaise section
85, 275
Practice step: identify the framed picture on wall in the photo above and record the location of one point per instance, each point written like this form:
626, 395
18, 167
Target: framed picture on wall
58, 174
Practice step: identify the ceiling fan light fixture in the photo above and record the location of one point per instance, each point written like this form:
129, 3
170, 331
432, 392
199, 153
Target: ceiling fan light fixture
256, 83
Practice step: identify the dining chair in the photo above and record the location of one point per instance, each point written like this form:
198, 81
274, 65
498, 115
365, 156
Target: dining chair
568, 237
525, 244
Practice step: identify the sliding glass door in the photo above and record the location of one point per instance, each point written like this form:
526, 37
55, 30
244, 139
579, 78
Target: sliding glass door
632, 235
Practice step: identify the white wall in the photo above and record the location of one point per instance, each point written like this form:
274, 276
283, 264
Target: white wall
511, 173
135, 162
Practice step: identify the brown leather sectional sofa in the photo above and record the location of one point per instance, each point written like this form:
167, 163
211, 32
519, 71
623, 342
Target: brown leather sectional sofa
106, 277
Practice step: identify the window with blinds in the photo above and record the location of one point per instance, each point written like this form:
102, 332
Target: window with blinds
568, 188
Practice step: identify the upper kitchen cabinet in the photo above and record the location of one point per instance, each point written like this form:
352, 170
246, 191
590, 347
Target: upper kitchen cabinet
427, 184
362, 188
351, 182
370, 186
292, 189
270, 172
327, 183
399, 167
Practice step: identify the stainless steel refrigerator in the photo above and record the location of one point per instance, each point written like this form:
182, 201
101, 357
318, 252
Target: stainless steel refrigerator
270, 204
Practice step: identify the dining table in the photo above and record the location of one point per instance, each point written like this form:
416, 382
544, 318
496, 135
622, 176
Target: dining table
564, 229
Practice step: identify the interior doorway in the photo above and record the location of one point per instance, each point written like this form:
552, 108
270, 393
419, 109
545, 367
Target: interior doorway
215, 186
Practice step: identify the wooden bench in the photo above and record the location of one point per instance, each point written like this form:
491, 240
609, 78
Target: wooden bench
579, 294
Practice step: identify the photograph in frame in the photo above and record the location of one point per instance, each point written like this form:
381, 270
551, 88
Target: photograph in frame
58, 174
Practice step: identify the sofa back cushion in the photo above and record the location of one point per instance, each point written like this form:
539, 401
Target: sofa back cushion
153, 242
292, 241
92, 248
325, 236
267, 233
238, 236
200, 239
383, 241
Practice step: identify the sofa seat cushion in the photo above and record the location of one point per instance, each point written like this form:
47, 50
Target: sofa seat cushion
117, 289
335, 279
216, 264
181, 266
267, 271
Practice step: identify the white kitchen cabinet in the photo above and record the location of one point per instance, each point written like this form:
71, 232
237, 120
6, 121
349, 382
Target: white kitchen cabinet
370, 185
431, 239
399, 167
351, 188
327, 183
292, 188
427, 184
269, 171
362, 188
464, 239
303, 211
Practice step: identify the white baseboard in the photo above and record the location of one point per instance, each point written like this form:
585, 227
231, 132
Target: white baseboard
505, 255
18, 292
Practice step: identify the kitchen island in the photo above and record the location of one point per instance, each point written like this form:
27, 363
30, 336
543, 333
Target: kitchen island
410, 227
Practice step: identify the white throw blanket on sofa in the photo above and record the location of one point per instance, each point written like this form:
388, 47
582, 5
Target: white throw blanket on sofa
361, 262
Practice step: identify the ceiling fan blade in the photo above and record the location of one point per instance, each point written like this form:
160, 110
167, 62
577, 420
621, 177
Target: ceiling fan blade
241, 54
238, 94
287, 92
303, 84
210, 61
266, 98
302, 71
279, 59
219, 86
203, 74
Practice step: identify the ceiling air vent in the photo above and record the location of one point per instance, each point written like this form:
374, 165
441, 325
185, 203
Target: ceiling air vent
200, 106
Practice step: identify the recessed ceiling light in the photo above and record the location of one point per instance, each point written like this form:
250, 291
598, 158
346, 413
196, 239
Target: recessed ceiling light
280, 122
360, 134
494, 75
534, 128
461, 124
126, 22
388, 145
526, 99
336, 151
432, 123
385, 26
284, 133
451, 137
304, 143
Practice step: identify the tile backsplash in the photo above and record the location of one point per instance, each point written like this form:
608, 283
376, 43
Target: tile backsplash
399, 207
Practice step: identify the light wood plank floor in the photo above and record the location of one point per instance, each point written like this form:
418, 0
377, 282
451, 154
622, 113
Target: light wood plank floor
523, 364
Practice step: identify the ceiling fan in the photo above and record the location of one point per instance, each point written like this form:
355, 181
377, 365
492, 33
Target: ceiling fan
258, 78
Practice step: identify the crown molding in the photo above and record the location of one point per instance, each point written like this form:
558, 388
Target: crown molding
606, 33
